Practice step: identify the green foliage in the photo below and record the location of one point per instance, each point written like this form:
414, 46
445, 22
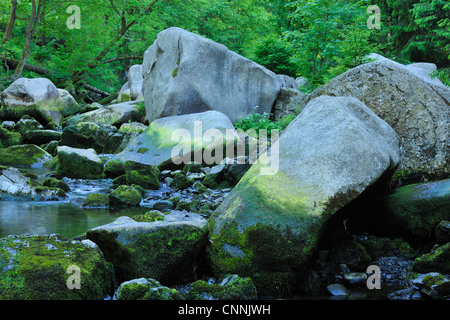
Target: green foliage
259, 122
275, 54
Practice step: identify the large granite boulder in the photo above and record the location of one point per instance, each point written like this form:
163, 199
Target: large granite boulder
418, 111
38, 98
186, 73
160, 142
268, 227
163, 250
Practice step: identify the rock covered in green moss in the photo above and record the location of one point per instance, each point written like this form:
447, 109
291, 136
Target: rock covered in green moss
442, 232
269, 226
38, 98
437, 260
38, 267
156, 144
26, 155
145, 289
9, 138
96, 200
419, 208
40, 137
86, 135
56, 183
26, 124
232, 287
163, 250
433, 284
114, 168
149, 216
180, 181
114, 115
146, 176
78, 163
125, 196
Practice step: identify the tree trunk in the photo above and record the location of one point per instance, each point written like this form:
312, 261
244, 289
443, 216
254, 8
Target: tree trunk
32, 24
12, 18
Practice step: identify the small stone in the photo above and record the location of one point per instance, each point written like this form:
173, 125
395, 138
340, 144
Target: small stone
337, 289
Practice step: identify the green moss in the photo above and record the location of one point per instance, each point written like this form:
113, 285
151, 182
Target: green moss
8, 138
264, 253
37, 269
125, 196
142, 150
236, 288
146, 176
96, 200
23, 155
150, 216
180, 181
438, 260
175, 72
114, 168
55, 183
146, 289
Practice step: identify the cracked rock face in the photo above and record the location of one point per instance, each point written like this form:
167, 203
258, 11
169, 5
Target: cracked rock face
418, 111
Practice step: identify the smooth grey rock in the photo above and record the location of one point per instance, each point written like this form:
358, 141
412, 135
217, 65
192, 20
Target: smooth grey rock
335, 149
186, 73
417, 110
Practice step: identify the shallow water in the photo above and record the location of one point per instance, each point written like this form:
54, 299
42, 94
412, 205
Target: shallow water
65, 217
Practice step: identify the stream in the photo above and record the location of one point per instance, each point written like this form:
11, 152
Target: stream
68, 217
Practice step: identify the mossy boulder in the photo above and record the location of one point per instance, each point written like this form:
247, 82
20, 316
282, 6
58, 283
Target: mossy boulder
8, 138
180, 181
78, 163
163, 250
36, 267
114, 168
26, 124
437, 260
192, 167
269, 225
146, 176
419, 208
26, 155
231, 287
114, 115
55, 183
173, 141
145, 289
96, 200
40, 137
103, 138
125, 196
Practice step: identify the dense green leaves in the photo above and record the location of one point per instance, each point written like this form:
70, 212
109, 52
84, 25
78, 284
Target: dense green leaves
316, 39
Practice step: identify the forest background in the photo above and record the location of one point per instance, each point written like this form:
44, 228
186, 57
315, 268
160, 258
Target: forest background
93, 47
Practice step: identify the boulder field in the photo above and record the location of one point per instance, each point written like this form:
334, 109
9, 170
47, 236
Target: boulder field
291, 217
